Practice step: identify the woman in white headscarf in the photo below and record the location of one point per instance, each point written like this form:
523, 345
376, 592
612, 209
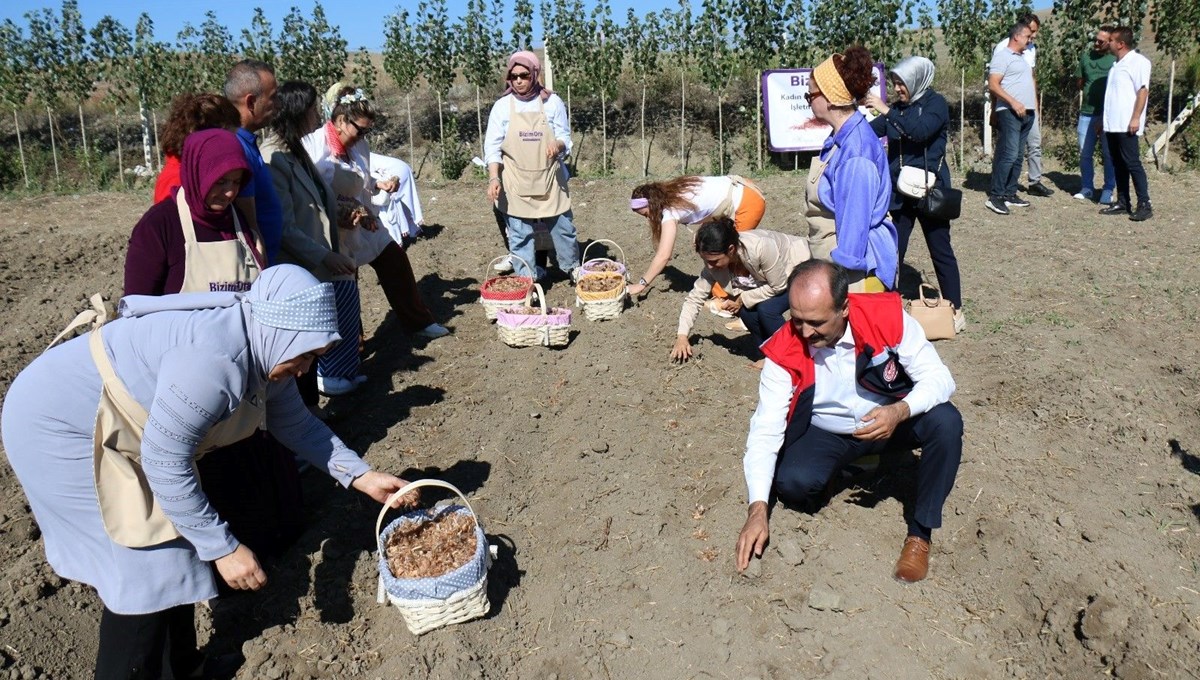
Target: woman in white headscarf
916, 126
103, 432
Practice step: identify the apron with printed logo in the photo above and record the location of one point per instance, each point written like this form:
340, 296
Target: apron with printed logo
533, 187
217, 266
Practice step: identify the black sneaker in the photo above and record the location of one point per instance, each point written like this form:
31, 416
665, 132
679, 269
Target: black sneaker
1039, 189
1142, 213
1115, 209
1015, 201
996, 205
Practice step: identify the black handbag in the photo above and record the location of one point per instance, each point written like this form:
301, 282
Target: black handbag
941, 202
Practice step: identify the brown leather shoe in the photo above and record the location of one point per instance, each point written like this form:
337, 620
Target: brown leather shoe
913, 564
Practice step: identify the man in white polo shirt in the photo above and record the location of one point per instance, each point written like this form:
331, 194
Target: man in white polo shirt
1125, 99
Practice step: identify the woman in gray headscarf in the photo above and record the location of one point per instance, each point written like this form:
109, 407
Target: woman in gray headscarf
103, 432
916, 126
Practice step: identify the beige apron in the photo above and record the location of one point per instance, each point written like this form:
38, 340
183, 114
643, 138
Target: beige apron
131, 515
822, 232
533, 187
729, 205
217, 266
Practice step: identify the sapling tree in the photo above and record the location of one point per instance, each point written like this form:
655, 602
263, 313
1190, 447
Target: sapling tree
1176, 26
759, 25
569, 39
437, 56
401, 61
258, 41
151, 71
204, 55
522, 26
112, 48
311, 50
45, 67
968, 42
603, 68
678, 25
641, 42
717, 60
77, 75
362, 72
14, 79
480, 46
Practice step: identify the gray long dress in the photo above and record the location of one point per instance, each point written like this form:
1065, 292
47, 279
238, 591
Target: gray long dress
188, 369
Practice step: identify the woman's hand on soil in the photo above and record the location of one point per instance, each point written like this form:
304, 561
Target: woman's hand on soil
635, 289
381, 485
754, 535
241, 570
682, 351
339, 264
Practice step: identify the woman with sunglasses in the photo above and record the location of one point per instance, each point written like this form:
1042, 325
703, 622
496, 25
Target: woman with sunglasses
916, 125
849, 184
528, 137
340, 153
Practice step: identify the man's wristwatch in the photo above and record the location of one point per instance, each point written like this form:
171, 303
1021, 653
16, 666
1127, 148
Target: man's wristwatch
642, 281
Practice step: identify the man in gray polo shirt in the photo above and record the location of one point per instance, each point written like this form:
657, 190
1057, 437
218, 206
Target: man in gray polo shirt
1010, 80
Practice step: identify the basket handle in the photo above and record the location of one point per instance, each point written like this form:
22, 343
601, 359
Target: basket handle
417, 485
583, 258
931, 303
488, 267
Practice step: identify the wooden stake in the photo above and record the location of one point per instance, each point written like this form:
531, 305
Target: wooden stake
21, 147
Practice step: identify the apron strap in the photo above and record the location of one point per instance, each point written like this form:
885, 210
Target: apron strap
121, 398
100, 313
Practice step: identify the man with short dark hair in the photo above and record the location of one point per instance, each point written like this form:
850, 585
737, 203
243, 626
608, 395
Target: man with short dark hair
1125, 98
250, 86
1033, 145
849, 375
1091, 74
1010, 80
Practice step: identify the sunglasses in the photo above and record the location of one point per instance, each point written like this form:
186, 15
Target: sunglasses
810, 96
519, 76
362, 131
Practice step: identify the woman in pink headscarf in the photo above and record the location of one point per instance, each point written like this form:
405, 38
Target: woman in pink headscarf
528, 138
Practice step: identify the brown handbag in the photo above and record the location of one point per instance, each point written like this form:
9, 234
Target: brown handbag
936, 315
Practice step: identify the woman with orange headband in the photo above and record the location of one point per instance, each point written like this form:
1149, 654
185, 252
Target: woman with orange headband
849, 185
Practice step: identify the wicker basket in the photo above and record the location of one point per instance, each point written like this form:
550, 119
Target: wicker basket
588, 266
428, 603
493, 301
602, 305
551, 328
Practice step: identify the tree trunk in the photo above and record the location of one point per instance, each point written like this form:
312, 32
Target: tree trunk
645, 155
604, 133
758, 117
21, 147
53, 145
479, 120
120, 160
412, 149
87, 156
682, 121
962, 113
721, 132
1170, 115
441, 129
157, 146
144, 119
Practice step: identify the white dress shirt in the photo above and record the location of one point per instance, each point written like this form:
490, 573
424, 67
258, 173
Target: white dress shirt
1125, 79
839, 403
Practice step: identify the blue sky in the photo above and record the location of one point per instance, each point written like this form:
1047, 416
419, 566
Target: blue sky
360, 21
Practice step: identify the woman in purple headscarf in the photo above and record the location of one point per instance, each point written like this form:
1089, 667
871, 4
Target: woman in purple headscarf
528, 138
195, 241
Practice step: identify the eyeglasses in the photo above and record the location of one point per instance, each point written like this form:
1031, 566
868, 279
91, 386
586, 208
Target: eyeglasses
810, 96
362, 131
519, 76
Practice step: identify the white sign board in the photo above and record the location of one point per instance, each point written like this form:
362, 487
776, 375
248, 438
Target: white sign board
789, 118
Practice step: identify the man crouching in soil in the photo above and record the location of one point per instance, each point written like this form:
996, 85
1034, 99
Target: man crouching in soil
848, 376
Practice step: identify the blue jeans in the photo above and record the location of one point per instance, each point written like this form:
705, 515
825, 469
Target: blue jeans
765, 318
1089, 132
1012, 132
562, 232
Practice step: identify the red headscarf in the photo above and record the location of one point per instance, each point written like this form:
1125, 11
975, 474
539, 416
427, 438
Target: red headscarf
530, 61
207, 156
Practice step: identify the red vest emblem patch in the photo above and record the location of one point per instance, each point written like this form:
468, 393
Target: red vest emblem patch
890, 371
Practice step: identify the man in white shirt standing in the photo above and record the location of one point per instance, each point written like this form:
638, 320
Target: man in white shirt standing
1033, 145
848, 376
1125, 99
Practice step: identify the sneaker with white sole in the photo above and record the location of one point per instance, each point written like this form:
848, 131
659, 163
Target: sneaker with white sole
1015, 201
1085, 195
960, 321
997, 205
434, 330
504, 266
333, 387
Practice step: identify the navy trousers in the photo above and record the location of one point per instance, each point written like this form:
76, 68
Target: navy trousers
765, 318
806, 466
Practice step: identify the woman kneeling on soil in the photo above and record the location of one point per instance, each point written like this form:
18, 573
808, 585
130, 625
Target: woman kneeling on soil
692, 200
753, 268
103, 431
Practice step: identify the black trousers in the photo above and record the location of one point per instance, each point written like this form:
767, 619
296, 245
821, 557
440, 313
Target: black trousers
148, 646
937, 238
1127, 164
806, 466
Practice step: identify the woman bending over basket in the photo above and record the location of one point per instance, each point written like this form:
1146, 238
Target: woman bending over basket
753, 268
692, 200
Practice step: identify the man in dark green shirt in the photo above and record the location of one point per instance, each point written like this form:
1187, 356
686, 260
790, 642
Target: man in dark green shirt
1091, 77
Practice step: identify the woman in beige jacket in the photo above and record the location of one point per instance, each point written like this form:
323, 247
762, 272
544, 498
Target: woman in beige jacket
753, 268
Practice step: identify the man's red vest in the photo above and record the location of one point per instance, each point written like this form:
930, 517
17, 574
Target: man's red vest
877, 320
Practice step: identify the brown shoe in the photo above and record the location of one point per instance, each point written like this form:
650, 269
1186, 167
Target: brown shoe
913, 564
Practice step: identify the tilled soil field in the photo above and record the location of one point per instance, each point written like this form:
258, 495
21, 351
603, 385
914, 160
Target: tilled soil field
611, 479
